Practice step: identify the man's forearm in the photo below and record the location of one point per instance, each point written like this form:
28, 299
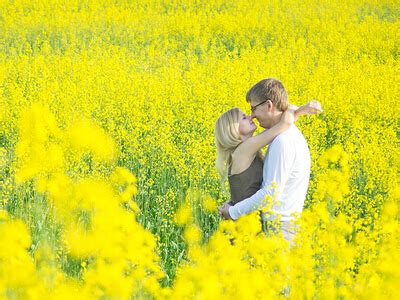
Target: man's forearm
249, 205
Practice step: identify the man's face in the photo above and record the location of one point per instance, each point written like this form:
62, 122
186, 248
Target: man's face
262, 112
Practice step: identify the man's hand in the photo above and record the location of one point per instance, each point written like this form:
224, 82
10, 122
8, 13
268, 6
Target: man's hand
224, 211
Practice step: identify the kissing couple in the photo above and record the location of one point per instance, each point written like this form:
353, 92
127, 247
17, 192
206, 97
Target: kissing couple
282, 175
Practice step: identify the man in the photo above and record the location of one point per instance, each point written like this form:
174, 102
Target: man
287, 162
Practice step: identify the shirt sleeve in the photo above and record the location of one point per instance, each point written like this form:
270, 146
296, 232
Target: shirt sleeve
276, 173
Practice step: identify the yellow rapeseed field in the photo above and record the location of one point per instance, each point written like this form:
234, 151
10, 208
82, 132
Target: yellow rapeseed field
107, 159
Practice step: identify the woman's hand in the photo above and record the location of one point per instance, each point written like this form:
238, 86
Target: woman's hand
287, 117
311, 108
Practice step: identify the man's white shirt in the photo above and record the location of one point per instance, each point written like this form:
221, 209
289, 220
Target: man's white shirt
286, 174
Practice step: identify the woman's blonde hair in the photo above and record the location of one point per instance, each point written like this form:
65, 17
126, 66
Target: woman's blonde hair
227, 138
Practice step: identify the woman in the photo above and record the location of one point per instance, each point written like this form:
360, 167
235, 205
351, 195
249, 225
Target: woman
239, 158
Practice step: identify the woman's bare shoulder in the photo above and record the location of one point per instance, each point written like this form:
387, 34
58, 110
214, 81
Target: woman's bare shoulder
241, 161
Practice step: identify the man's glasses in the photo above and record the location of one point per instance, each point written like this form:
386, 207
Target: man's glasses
253, 109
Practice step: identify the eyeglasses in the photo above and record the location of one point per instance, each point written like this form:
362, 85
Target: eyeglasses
253, 109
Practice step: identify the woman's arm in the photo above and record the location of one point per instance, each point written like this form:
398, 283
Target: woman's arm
311, 108
253, 144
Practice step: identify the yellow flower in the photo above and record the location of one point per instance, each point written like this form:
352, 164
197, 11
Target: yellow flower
209, 204
192, 234
3, 215
183, 215
87, 136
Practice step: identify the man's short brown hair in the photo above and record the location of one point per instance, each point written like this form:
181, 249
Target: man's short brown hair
269, 89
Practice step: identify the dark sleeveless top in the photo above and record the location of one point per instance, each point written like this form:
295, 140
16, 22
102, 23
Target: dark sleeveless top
246, 183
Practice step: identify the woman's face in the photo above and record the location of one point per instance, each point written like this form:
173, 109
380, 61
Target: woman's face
246, 125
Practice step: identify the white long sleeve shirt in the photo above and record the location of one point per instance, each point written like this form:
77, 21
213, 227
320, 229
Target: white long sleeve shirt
286, 174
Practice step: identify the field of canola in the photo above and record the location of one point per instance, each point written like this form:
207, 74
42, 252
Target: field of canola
107, 159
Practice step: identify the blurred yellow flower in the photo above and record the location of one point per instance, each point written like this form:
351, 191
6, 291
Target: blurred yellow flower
183, 215
192, 234
209, 204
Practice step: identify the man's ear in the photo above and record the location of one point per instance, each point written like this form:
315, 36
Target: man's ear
270, 105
